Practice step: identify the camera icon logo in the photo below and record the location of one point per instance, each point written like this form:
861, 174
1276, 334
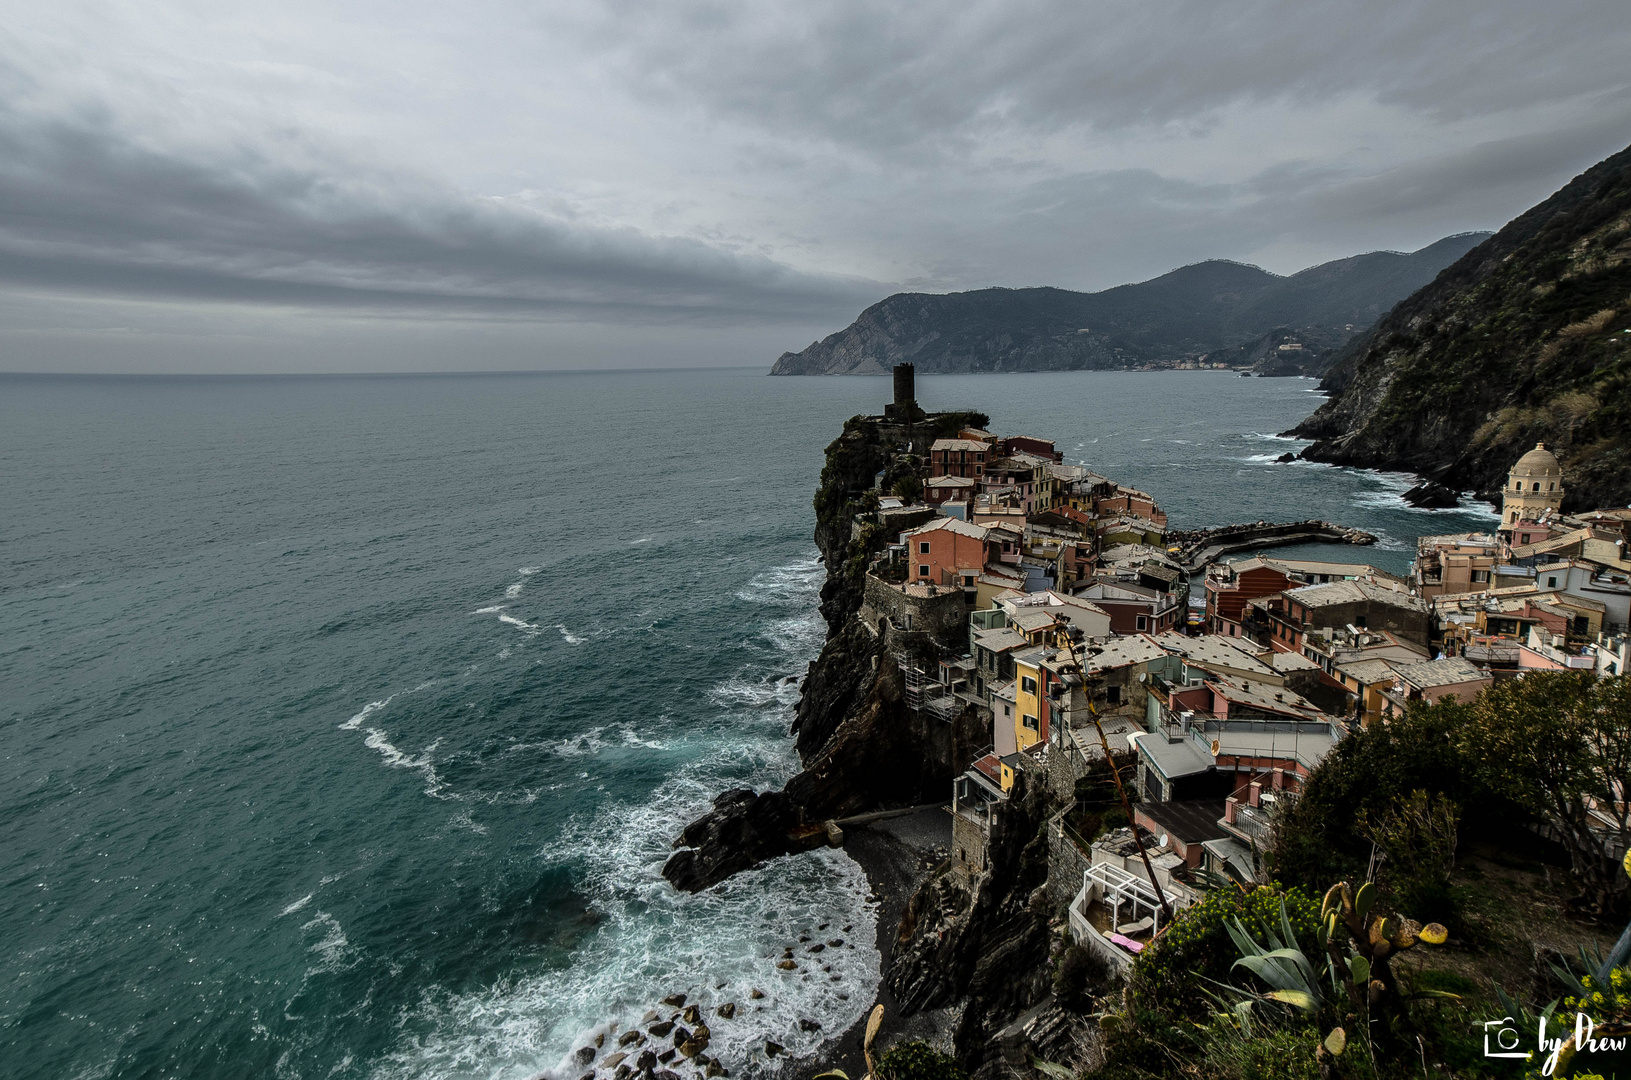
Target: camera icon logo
1501, 1039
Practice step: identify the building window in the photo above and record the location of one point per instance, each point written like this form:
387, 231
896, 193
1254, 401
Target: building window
1551, 583
1027, 684
1112, 694
1537, 485
922, 547
1480, 575
1143, 622
1031, 723
923, 570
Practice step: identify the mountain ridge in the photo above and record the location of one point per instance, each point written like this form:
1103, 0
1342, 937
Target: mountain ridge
1524, 339
1182, 316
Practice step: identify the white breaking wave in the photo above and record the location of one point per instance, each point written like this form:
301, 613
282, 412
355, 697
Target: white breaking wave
571, 638
379, 741
333, 951
1389, 495
367, 710
714, 947
296, 906
795, 583
652, 941
520, 624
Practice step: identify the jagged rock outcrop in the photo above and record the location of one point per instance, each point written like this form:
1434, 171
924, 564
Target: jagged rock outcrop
1523, 340
988, 948
1241, 313
1431, 495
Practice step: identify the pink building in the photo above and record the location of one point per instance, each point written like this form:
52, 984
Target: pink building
947, 552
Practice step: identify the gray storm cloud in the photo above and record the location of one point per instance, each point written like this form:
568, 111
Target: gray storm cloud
725, 163
88, 209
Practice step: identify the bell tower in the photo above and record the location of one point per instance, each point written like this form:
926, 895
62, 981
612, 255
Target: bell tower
1534, 488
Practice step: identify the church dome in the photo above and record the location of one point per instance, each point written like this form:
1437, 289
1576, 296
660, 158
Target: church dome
1538, 462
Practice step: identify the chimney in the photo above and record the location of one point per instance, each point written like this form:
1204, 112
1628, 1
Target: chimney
1279, 779
1229, 805
1256, 793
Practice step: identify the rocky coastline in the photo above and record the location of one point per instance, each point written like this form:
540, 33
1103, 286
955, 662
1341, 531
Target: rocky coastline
949, 957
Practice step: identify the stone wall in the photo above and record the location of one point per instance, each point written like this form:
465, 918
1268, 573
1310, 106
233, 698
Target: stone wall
1066, 863
968, 854
897, 615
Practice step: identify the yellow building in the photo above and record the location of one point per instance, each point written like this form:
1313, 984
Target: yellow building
1533, 487
1027, 698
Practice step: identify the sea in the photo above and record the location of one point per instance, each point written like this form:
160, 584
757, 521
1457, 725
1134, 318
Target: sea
346, 722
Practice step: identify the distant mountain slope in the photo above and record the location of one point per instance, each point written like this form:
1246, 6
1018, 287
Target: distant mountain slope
1195, 310
1524, 339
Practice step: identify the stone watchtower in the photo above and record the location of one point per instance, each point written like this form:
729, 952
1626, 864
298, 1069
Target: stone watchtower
1533, 487
904, 408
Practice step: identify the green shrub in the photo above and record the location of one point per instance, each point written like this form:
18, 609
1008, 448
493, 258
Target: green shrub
1079, 970
1276, 1055
1169, 974
918, 1061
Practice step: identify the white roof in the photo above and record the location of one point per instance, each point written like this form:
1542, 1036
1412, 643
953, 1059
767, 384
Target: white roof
949, 524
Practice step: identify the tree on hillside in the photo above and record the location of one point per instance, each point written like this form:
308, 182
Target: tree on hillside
1560, 744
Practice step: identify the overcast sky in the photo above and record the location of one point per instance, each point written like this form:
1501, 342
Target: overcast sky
342, 186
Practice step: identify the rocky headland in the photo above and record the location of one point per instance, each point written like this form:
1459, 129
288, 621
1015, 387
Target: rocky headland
861, 748
1218, 312
950, 954
1524, 339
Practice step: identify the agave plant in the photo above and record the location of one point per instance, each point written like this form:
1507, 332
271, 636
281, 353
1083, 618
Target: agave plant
1358, 944
1280, 963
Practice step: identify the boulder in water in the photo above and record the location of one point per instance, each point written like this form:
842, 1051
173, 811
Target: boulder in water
1431, 495
727, 1010
586, 1054
1285, 459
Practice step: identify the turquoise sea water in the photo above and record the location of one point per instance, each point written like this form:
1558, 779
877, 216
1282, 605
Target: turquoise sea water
345, 722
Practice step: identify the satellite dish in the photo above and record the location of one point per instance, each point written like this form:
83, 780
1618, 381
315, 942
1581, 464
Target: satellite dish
1163, 839
1216, 746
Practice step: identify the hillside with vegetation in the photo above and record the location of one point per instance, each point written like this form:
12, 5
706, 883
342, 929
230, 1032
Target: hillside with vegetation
1215, 312
1464, 878
1525, 339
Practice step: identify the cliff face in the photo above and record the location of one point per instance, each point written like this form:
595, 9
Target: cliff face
1211, 307
862, 749
988, 947
1522, 340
